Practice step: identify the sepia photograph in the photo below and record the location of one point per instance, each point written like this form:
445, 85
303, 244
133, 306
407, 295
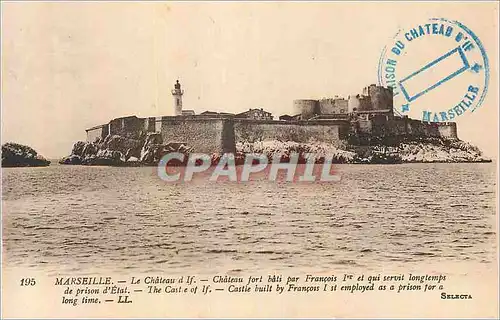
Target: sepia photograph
333, 159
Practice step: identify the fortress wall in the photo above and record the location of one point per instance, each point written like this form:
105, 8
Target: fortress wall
341, 106
228, 137
149, 124
366, 126
203, 135
332, 106
333, 131
406, 127
95, 133
421, 129
448, 130
381, 98
326, 106
126, 126
218, 135
157, 124
413, 128
132, 126
105, 130
365, 104
360, 103
306, 107
352, 103
115, 126
397, 127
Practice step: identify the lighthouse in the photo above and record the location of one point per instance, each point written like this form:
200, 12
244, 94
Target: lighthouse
177, 93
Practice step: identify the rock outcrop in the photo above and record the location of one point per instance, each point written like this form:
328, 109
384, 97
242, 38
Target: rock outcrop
115, 150
18, 155
319, 150
424, 151
440, 150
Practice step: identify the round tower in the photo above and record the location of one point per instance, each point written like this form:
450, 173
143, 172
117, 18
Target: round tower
306, 108
381, 97
177, 93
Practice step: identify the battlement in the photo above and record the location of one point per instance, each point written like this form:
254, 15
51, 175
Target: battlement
376, 99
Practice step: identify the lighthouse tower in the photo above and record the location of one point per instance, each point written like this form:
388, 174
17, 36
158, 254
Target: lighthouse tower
177, 93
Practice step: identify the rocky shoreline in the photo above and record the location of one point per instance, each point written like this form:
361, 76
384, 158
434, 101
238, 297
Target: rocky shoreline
429, 150
18, 155
115, 150
147, 150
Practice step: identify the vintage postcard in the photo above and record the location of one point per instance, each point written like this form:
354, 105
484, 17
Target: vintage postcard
249, 159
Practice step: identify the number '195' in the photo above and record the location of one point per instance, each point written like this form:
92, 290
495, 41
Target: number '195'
28, 282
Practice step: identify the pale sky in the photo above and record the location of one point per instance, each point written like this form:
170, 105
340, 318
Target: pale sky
70, 66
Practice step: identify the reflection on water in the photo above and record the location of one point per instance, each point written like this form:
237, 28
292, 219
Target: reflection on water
76, 218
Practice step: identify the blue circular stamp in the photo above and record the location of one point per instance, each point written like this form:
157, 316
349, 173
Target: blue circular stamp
438, 71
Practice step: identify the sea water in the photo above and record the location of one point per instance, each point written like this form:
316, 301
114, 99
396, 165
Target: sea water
67, 219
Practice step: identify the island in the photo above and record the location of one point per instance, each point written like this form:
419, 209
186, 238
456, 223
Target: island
362, 129
18, 155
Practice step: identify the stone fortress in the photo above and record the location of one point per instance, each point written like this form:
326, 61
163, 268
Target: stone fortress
363, 120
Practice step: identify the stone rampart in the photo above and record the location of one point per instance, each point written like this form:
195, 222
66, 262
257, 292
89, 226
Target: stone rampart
202, 135
220, 134
330, 131
406, 127
129, 127
97, 132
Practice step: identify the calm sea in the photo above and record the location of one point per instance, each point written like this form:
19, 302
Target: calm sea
82, 219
